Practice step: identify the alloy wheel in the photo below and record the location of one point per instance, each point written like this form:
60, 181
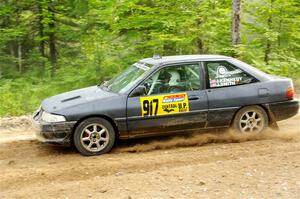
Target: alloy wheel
251, 121
94, 137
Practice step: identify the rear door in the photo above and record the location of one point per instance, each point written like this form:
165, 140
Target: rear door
174, 100
229, 88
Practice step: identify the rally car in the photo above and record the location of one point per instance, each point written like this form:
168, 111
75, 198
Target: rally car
163, 95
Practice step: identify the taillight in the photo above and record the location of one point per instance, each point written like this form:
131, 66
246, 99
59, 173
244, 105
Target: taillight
290, 93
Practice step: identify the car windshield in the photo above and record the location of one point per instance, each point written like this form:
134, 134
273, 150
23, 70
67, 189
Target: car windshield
127, 78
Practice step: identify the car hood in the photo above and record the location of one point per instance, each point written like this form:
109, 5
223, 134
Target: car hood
73, 98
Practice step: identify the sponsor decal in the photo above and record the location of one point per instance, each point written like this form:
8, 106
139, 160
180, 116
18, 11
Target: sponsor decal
164, 104
225, 81
224, 73
222, 70
173, 98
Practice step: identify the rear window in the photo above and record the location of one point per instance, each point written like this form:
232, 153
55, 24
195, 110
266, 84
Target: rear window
222, 74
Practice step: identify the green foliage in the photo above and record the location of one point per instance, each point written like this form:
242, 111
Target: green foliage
95, 39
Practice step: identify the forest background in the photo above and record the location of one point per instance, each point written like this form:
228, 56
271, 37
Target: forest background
51, 46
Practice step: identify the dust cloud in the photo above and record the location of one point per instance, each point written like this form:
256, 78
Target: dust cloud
289, 131
199, 139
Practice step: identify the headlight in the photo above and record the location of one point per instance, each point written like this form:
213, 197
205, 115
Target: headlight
48, 117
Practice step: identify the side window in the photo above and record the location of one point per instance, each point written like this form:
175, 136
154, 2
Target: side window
222, 73
173, 79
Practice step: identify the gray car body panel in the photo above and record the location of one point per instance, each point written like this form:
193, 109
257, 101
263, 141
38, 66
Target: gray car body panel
88, 102
217, 110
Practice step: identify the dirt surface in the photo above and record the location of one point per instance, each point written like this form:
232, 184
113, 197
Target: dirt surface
209, 165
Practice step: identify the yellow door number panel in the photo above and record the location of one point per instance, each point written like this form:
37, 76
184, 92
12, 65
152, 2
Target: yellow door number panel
164, 104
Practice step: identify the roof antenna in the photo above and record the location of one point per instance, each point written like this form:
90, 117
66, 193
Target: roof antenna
156, 56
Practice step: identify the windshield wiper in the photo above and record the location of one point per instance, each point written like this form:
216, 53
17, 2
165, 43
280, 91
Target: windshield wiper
104, 86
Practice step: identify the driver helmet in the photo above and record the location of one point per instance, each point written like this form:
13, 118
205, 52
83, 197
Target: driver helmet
175, 78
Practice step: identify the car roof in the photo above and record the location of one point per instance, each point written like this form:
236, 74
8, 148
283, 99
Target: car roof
157, 60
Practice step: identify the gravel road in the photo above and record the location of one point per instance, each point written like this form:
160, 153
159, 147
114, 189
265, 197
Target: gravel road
209, 165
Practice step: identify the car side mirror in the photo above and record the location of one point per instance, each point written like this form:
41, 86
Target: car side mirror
138, 91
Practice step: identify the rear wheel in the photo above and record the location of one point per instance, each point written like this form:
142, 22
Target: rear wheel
94, 136
251, 119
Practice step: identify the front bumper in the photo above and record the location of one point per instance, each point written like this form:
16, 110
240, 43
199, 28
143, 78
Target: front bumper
284, 110
58, 133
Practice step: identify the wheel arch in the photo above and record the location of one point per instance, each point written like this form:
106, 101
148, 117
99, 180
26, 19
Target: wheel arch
265, 107
109, 119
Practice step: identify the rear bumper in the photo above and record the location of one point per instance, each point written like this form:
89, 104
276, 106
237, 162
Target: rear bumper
284, 110
54, 133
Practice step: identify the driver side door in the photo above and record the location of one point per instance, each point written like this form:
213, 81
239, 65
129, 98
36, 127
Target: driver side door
174, 100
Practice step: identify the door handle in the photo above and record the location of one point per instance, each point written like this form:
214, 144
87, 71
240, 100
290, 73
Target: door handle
194, 97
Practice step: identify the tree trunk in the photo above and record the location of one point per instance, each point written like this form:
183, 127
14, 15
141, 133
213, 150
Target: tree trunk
200, 46
280, 27
11, 44
199, 41
235, 29
41, 35
19, 55
53, 58
52, 42
268, 41
267, 52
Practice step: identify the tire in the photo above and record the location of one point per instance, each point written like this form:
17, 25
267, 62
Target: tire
250, 119
94, 136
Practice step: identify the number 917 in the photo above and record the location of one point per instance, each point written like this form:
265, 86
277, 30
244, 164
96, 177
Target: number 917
150, 107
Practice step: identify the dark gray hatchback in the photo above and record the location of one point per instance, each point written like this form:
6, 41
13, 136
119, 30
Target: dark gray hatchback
163, 95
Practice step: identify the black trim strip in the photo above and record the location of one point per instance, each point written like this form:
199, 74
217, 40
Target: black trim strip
120, 119
225, 108
166, 115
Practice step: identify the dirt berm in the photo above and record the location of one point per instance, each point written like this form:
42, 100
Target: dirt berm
210, 165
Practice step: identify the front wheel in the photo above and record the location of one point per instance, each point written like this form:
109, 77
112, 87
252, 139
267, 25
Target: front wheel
251, 119
94, 136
